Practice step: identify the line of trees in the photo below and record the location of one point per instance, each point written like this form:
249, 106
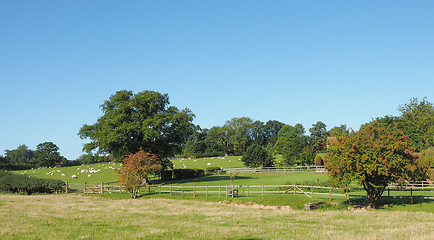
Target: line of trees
146, 121
46, 155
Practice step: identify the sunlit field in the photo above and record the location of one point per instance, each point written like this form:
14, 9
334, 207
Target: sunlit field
86, 217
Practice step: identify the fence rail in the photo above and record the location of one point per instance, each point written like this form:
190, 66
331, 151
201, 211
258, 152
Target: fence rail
249, 190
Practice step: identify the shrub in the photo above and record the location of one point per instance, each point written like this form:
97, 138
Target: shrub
257, 156
166, 175
211, 170
23, 184
319, 161
187, 173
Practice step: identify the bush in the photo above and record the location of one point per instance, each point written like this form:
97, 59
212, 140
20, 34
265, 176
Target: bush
23, 184
319, 161
166, 175
257, 156
432, 175
212, 170
187, 173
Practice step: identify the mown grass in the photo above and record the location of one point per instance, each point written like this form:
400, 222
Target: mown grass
82, 217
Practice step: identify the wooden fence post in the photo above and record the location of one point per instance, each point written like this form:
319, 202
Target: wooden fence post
182, 191
411, 195
102, 188
194, 190
295, 189
247, 190
84, 188
170, 190
66, 187
330, 191
311, 190
278, 189
159, 189
220, 190
206, 189
262, 189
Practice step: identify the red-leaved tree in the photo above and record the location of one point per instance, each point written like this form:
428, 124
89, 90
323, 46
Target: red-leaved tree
374, 157
135, 169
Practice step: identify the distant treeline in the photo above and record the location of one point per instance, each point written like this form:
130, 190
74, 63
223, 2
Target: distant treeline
46, 155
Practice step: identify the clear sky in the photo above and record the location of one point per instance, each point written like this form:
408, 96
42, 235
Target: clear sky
339, 62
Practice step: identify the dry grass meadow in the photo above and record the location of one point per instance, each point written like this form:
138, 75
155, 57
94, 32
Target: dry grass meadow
86, 217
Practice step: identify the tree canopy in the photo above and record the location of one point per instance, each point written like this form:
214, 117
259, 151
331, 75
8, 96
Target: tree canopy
374, 157
132, 122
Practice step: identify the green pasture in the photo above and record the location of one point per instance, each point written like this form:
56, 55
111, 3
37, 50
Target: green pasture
102, 172
203, 163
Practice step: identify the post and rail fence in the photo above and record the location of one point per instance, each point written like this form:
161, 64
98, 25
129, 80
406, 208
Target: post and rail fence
232, 190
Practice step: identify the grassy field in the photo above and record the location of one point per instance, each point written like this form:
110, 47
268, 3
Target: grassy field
102, 172
203, 163
87, 217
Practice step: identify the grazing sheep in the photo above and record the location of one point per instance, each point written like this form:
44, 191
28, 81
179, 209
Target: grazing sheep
63, 174
23, 173
209, 164
74, 176
89, 175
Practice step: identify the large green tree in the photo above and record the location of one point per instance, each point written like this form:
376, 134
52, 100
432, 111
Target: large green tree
47, 155
374, 157
318, 136
291, 143
418, 119
131, 122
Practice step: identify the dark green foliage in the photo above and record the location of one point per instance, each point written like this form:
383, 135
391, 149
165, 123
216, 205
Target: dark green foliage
166, 175
212, 170
134, 122
23, 184
187, 173
47, 155
257, 156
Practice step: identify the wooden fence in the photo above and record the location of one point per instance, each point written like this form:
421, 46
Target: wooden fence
85, 188
249, 190
246, 190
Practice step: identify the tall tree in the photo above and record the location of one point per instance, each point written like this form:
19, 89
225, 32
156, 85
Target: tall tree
47, 155
132, 122
373, 157
339, 131
318, 136
239, 132
291, 142
418, 119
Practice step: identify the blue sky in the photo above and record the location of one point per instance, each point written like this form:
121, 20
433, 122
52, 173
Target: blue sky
339, 62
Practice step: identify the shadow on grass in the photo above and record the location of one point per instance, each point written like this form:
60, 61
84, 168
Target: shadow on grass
390, 202
206, 179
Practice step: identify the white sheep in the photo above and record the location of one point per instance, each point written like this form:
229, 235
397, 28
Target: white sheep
89, 175
209, 164
74, 176
63, 174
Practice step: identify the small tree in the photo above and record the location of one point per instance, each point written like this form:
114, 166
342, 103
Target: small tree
257, 156
134, 171
374, 157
